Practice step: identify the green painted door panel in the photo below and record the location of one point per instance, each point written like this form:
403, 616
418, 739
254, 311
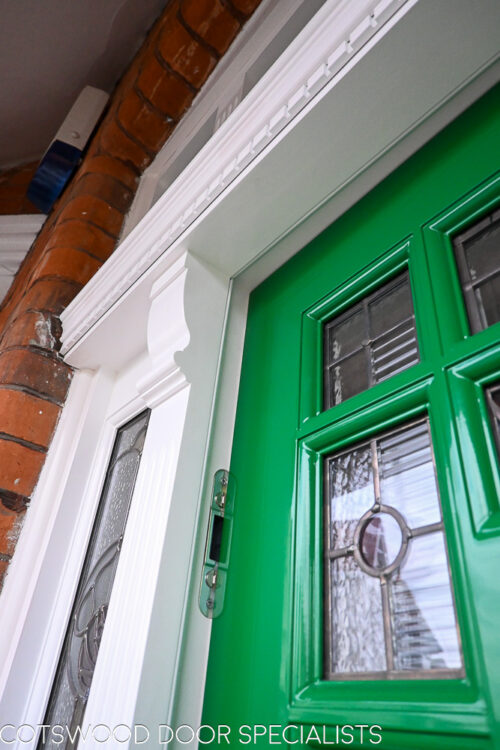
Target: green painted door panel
265, 665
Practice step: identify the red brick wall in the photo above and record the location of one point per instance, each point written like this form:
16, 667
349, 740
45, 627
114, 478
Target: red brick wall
177, 57
13, 186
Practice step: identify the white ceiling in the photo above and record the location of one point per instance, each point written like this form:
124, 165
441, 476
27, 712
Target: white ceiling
51, 49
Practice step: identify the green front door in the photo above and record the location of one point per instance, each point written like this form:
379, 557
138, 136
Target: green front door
362, 604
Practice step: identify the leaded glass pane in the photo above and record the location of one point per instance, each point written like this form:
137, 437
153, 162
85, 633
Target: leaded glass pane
387, 580
406, 475
423, 617
477, 253
357, 642
493, 396
373, 340
77, 662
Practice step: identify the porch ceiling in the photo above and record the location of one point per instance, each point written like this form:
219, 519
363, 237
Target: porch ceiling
48, 51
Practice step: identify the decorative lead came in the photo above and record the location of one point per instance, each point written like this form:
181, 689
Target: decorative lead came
74, 675
389, 609
477, 252
372, 341
493, 399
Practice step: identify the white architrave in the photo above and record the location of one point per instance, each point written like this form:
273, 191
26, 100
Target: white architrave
182, 299
171, 322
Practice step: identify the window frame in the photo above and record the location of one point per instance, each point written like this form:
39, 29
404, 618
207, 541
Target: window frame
473, 311
432, 700
388, 673
453, 321
368, 345
449, 381
100, 507
392, 263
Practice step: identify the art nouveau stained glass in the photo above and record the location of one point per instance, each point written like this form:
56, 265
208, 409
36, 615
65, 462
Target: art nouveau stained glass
370, 342
477, 253
389, 606
83, 638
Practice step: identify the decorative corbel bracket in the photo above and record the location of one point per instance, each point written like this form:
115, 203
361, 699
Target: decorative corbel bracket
187, 304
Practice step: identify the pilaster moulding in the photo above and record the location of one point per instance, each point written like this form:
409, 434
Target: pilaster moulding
328, 46
116, 679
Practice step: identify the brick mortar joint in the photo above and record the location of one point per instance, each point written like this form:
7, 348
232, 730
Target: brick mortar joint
175, 73
197, 37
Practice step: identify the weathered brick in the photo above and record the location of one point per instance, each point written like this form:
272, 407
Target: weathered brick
246, 7
211, 21
139, 119
183, 53
19, 467
13, 501
92, 209
52, 295
4, 565
166, 92
107, 165
27, 417
35, 371
82, 236
13, 187
10, 523
105, 188
32, 328
69, 264
117, 144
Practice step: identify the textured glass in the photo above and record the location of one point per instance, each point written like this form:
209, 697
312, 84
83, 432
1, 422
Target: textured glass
423, 615
357, 620
372, 341
351, 493
493, 398
487, 297
482, 251
346, 337
349, 377
390, 308
76, 665
395, 351
477, 252
387, 582
407, 479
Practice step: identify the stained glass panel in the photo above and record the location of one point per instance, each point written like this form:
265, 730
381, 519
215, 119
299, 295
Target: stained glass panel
477, 252
373, 340
81, 646
389, 606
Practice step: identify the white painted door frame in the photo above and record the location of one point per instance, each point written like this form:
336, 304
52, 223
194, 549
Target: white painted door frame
162, 325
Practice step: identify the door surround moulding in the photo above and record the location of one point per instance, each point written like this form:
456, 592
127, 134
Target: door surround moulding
218, 199
146, 255
315, 58
153, 274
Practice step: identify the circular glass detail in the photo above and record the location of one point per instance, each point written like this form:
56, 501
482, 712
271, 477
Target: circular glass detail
381, 541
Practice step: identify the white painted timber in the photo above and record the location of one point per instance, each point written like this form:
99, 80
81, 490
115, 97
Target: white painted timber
16, 237
167, 312
348, 127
